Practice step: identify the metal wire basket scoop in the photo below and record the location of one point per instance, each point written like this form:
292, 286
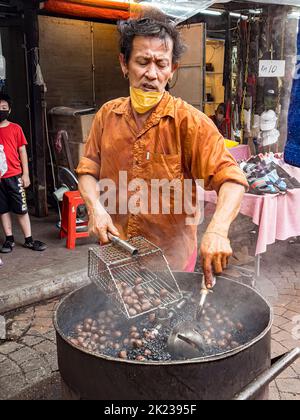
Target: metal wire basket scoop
134, 274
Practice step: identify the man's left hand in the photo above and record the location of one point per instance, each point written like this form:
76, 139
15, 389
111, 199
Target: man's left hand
215, 252
25, 181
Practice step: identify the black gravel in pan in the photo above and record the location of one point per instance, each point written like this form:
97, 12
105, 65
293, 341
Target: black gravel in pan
221, 331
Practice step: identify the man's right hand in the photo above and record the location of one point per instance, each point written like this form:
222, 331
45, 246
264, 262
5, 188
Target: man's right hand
100, 224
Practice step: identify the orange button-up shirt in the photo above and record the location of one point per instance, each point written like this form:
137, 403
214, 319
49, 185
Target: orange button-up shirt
176, 142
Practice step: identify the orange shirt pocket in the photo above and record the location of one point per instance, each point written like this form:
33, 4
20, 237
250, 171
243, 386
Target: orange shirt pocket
162, 166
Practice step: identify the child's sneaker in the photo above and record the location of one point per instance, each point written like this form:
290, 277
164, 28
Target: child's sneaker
7, 247
35, 246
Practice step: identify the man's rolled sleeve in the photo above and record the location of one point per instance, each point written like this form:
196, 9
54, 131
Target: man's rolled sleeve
90, 163
211, 160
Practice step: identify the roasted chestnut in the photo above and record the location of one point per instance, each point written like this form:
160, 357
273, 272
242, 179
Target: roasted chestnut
123, 354
95, 338
138, 343
132, 312
137, 307
128, 300
152, 317
133, 328
157, 302
135, 335
222, 343
79, 328
117, 334
127, 292
151, 291
239, 326
86, 327
138, 281
163, 293
146, 307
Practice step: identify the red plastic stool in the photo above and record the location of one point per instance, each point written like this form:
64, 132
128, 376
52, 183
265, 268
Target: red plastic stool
71, 201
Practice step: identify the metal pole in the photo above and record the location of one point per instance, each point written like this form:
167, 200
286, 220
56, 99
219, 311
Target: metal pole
267, 377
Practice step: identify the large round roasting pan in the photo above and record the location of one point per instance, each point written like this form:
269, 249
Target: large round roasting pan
222, 376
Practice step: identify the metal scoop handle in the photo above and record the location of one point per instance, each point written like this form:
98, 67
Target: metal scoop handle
123, 244
203, 295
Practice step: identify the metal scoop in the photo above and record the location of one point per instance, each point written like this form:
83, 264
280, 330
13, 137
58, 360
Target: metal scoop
186, 340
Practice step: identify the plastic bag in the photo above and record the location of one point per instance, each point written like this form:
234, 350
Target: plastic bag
3, 162
177, 10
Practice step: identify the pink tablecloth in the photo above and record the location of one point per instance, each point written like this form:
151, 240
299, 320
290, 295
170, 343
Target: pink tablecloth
241, 152
278, 217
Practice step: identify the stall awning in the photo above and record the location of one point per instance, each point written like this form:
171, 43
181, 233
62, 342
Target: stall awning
179, 10
89, 9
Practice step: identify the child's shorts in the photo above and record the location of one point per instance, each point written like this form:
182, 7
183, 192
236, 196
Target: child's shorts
13, 196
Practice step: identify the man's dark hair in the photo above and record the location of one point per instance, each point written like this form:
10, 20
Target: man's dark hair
6, 98
153, 25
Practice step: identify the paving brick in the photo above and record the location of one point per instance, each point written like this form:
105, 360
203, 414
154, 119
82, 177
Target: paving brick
273, 393
48, 307
289, 385
279, 310
293, 306
51, 336
281, 336
290, 344
296, 366
31, 340
35, 376
288, 291
279, 321
52, 361
11, 386
291, 314
277, 349
8, 368
23, 354
18, 329
289, 397
45, 347
43, 322
23, 317
288, 373
36, 364
39, 330
290, 327
10, 347
275, 330
46, 314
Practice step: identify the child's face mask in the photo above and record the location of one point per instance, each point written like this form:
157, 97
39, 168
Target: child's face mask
4, 115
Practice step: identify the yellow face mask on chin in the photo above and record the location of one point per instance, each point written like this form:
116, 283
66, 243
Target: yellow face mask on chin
142, 101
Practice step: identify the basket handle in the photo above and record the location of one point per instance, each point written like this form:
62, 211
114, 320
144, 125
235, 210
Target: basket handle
123, 244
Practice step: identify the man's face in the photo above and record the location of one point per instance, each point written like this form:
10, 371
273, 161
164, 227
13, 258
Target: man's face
150, 66
4, 106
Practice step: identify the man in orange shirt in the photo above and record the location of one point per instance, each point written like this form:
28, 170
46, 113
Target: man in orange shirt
154, 136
